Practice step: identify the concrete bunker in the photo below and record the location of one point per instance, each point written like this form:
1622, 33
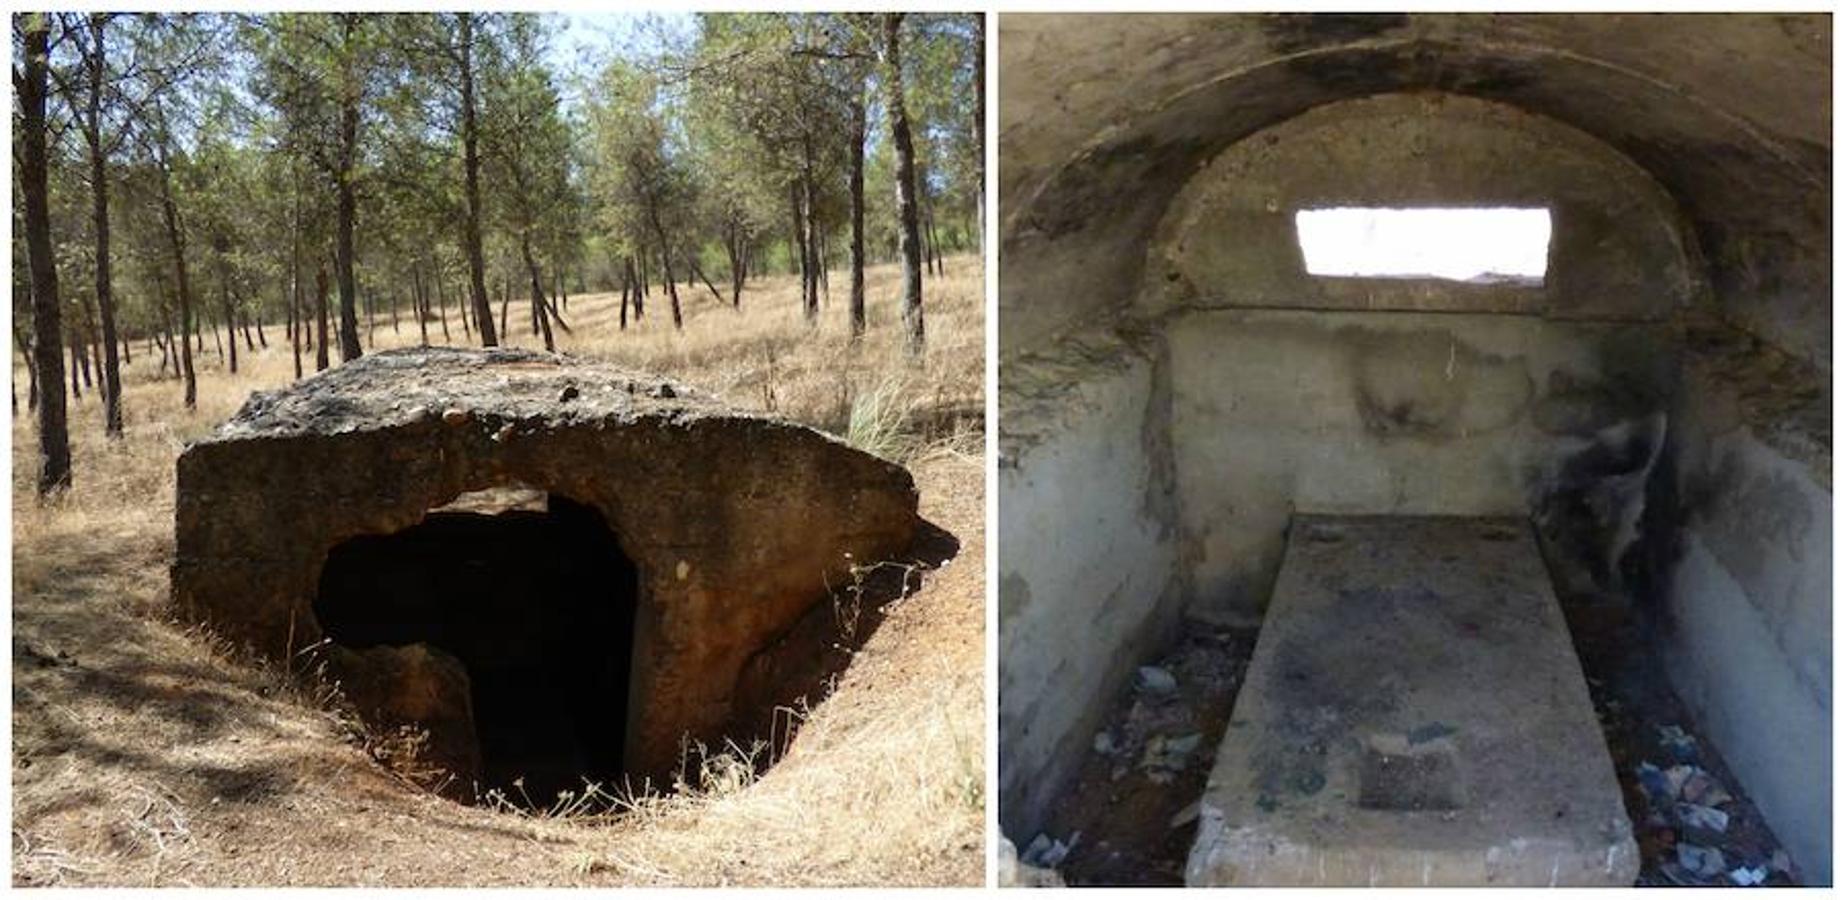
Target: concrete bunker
560, 571
1653, 411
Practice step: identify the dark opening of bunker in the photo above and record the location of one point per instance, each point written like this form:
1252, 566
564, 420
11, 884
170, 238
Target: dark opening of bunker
535, 602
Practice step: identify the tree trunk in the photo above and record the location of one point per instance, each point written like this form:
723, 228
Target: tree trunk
76, 371
442, 302
540, 316
418, 306
505, 303
176, 239
857, 301
666, 262
96, 62
230, 321
810, 261
48, 357
348, 206
25, 352
907, 244
692, 262
640, 291
797, 254
320, 309
470, 139
294, 313
739, 264
980, 127
625, 282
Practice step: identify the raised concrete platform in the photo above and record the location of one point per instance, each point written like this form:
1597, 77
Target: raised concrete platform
1414, 715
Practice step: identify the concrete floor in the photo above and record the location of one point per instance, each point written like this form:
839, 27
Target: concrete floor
1414, 714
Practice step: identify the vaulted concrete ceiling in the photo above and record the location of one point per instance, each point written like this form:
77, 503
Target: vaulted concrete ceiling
1103, 118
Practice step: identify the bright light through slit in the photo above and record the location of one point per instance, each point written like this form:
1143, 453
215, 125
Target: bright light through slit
1477, 245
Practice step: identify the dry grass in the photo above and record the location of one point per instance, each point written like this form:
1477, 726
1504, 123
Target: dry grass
143, 754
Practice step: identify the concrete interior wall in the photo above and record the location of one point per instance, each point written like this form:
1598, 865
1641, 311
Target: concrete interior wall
1296, 393
1090, 579
1747, 616
1147, 255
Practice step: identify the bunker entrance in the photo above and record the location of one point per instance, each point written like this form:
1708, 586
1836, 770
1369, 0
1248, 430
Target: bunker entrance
533, 597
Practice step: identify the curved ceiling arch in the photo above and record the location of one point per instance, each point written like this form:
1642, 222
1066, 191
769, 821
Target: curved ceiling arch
1753, 183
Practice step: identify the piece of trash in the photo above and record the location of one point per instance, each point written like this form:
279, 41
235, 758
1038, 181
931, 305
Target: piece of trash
1422, 734
1658, 788
1165, 756
1046, 852
1706, 817
1781, 862
1105, 742
1185, 816
1184, 744
1682, 746
1702, 788
1747, 877
1155, 680
1676, 777
1704, 862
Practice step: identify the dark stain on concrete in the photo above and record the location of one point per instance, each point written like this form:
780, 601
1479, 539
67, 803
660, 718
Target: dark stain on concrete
1296, 32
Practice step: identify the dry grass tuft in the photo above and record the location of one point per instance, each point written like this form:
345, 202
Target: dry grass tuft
148, 753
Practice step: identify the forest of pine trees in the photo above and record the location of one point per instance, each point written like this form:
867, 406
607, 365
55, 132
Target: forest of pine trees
302, 177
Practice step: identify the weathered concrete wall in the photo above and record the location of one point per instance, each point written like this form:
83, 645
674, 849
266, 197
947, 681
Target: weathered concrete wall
1277, 412
738, 523
1104, 118
1088, 574
1294, 392
1616, 251
1749, 615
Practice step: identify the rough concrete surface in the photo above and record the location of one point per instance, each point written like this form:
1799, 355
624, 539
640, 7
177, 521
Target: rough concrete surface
1389, 413
1749, 609
1104, 119
1086, 584
737, 523
1229, 238
1414, 715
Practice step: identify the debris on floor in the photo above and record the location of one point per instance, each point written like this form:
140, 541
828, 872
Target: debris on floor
1046, 852
1691, 819
1015, 872
1135, 800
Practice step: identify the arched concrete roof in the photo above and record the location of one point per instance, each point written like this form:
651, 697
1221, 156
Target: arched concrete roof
1104, 119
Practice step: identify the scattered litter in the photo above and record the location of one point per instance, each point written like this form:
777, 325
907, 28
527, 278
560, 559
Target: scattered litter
1105, 742
1422, 734
1702, 842
1703, 862
1155, 680
1654, 782
1702, 788
1046, 852
1165, 757
1683, 747
1186, 816
1747, 877
1699, 816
